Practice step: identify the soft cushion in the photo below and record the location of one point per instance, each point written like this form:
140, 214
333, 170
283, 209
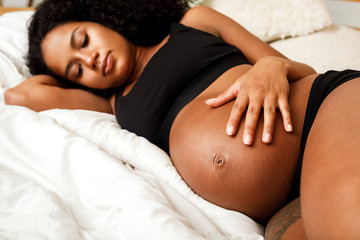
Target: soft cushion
275, 19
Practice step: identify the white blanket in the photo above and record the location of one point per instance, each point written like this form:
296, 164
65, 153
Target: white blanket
78, 175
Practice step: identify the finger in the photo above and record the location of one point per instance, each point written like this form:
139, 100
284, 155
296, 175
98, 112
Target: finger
284, 108
225, 97
236, 113
252, 116
269, 119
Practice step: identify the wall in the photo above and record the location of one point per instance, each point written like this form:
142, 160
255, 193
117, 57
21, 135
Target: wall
345, 12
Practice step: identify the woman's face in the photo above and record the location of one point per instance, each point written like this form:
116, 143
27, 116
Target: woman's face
89, 54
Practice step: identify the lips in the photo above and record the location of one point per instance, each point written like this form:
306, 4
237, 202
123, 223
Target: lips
107, 64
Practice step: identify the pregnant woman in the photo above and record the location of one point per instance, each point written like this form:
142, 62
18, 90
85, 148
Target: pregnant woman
183, 78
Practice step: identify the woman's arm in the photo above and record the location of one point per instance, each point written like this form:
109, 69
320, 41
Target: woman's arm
265, 85
209, 20
42, 92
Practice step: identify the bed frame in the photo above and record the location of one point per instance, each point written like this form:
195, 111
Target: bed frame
13, 9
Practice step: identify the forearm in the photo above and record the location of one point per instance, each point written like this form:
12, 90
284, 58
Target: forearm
254, 49
42, 93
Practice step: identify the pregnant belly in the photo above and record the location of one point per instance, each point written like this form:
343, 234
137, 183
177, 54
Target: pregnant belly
254, 180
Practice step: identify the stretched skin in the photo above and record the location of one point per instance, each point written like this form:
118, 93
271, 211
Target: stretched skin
254, 180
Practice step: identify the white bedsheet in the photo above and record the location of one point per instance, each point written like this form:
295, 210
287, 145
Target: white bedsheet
77, 175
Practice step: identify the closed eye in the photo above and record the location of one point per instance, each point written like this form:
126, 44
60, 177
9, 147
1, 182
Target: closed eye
86, 41
80, 71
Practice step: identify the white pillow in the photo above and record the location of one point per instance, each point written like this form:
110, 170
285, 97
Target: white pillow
13, 48
275, 19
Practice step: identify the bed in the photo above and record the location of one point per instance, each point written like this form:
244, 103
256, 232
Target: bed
75, 174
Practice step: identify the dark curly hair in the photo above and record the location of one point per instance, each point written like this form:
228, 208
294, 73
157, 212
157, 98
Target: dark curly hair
142, 22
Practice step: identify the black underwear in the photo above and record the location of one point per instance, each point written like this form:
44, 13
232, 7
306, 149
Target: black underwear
323, 85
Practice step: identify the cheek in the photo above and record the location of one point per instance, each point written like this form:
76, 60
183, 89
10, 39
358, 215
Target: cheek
124, 66
93, 80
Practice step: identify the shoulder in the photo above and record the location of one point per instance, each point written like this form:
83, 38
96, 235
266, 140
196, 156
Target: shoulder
209, 20
195, 11
200, 18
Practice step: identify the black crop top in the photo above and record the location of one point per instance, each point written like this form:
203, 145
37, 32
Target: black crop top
178, 72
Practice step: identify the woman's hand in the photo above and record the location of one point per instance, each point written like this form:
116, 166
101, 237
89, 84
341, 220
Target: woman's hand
266, 86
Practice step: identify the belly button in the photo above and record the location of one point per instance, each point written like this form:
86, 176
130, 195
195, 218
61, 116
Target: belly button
219, 161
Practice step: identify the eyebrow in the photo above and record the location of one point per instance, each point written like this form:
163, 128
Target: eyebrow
72, 45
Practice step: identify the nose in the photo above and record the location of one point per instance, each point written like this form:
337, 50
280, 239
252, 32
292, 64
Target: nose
89, 58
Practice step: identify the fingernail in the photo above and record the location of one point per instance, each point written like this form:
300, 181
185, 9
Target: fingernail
289, 128
247, 139
230, 130
209, 101
266, 137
